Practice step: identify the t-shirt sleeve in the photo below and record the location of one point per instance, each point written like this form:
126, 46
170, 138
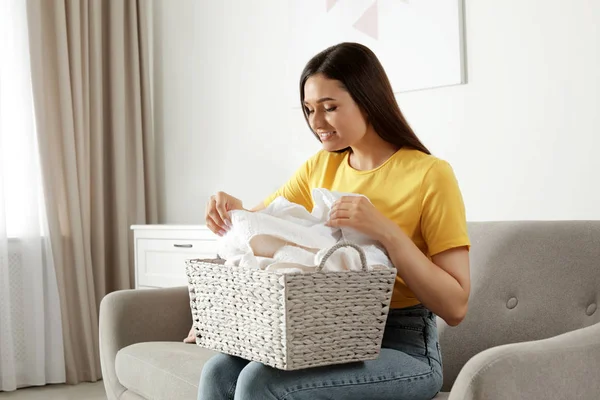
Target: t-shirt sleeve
296, 189
443, 216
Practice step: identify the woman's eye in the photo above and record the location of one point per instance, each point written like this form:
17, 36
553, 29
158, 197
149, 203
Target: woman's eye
308, 112
330, 109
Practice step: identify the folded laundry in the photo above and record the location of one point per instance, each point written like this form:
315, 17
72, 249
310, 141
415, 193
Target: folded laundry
286, 238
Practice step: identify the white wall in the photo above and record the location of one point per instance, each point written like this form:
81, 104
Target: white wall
522, 135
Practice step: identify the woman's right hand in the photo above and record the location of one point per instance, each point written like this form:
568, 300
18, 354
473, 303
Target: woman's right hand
217, 208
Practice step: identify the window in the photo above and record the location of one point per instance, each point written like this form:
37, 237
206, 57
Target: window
21, 198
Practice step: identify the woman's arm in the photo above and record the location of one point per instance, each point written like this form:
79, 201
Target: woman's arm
441, 284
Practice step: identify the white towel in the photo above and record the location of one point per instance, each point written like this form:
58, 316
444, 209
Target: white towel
286, 238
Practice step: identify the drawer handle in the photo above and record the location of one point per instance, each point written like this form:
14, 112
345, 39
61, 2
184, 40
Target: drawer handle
186, 246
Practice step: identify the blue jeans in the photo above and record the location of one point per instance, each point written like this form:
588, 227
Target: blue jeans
408, 367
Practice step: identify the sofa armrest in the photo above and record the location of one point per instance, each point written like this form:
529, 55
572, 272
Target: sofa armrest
561, 367
134, 316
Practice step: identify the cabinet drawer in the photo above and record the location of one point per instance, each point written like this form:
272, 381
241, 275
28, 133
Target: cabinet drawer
161, 262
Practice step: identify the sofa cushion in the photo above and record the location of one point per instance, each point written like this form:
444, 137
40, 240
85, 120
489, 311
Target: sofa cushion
162, 370
167, 370
129, 395
530, 280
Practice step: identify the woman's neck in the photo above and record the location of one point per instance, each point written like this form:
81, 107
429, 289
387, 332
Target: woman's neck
371, 152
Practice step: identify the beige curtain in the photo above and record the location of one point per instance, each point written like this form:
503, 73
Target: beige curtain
92, 100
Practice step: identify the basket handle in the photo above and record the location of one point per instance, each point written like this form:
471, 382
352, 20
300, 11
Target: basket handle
361, 253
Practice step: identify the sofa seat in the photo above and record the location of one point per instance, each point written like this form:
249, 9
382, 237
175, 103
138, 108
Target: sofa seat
161, 370
166, 370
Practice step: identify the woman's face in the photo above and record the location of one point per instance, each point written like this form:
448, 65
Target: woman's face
332, 113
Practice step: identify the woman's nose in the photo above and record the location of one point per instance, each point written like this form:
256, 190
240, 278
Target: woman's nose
317, 120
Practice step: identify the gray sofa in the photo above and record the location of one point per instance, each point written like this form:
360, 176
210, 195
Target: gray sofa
532, 330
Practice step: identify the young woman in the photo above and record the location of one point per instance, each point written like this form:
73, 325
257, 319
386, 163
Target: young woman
416, 211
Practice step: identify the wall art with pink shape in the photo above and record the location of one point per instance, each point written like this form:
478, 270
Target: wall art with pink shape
419, 42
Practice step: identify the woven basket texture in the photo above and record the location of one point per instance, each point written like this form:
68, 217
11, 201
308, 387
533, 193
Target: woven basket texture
290, 321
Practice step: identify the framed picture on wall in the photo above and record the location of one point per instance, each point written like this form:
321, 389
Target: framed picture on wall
419, 42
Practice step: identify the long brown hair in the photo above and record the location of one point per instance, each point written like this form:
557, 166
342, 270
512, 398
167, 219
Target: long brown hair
363, 76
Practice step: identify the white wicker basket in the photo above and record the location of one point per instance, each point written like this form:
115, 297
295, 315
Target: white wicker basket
290, 321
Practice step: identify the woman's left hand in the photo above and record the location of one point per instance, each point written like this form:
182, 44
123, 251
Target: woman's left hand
359, 213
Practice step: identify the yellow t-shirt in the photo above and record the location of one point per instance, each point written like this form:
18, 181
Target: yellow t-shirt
417, 191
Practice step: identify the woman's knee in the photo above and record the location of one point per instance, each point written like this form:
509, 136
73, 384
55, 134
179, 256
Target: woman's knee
257, 381
219, 376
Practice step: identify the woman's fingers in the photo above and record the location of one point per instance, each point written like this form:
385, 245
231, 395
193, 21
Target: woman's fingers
338, 218
191, 338
215, 228
214, 222
340, 207
217, 212
339, 214
221, 208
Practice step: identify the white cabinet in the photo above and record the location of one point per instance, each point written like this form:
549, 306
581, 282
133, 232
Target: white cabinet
161, 251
